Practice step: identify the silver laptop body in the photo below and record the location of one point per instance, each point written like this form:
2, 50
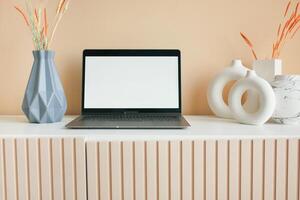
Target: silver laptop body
130, 89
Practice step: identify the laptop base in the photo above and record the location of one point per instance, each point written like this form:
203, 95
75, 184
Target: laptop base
132, 122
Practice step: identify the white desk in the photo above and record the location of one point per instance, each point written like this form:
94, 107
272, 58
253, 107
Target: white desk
213, 159
202, 127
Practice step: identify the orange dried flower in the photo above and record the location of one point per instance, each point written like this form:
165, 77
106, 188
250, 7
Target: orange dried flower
36, 15
287, 32
60, 6
295, 32
38, 24
23, 15
278, 30
296, 9
254, 54
246, 40
287, 8
45, 22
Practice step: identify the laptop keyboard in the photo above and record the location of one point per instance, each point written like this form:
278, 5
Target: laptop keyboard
140, 117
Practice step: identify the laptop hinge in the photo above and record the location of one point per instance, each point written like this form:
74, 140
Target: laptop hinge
132, 113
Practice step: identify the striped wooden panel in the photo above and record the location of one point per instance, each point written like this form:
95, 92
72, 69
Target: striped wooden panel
42, 169
199, 169
175, 170
258, 170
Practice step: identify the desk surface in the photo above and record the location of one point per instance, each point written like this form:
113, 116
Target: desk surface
202, 127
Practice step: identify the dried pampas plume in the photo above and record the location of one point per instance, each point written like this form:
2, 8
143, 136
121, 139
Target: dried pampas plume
37, 21
286, 30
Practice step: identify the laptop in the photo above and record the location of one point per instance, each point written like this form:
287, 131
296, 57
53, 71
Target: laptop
130, 89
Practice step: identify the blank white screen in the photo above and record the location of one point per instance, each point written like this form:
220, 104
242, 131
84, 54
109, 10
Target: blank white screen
131, 82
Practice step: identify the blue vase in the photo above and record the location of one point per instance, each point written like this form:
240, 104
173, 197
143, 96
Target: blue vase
44, 100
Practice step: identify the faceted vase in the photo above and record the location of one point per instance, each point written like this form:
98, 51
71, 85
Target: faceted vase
44, 100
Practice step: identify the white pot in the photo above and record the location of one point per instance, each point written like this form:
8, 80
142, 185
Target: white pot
268, 69
216, 87
266, 99
287, 94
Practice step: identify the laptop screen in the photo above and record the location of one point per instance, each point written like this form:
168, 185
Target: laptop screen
131, 82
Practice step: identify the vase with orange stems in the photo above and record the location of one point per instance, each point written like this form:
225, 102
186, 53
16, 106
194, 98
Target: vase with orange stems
44, 100
286, 31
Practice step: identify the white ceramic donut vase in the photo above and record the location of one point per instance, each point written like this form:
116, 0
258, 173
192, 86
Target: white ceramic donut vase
266, 100
216, 87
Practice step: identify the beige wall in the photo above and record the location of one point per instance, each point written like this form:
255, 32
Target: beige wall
206, 31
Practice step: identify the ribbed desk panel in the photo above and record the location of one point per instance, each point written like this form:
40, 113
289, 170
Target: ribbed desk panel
55, 169
193, 169
42, 169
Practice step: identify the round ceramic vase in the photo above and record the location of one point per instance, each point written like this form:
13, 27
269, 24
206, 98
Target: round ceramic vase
287, 94
266, 98
215, 89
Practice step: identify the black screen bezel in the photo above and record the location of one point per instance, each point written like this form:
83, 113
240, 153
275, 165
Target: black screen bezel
130, 52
